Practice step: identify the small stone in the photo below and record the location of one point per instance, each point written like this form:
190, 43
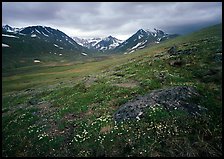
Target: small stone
177, 62
172, 50
218, 57
33, 101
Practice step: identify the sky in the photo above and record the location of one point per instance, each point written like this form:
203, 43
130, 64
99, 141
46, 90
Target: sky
118, 19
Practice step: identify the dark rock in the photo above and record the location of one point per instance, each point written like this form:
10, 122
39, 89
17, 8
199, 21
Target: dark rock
212, 75
172, 50
177, 62
219, 50
218, 57
33, 101
170, 99
187, 51
27, 90
212, 71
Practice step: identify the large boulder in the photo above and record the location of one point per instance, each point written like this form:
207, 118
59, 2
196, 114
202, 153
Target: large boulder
170, 98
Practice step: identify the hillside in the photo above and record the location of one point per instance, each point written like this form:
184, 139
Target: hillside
120, 105
39, 42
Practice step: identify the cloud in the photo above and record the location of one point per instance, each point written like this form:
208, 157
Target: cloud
119, 19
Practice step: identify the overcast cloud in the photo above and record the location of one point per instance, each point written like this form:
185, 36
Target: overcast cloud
119, 19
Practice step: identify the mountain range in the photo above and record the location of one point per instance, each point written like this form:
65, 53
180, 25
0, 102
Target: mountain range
138, 40
100, 44
46, 43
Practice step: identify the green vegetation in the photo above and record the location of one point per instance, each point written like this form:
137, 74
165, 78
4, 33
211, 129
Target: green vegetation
67, 110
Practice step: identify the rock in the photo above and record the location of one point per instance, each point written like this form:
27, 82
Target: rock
172, 50
212, 71
187, 51
218, 57
27, 90
212, 75
177, 62
219, 50
170, 99
33, 101
185, 44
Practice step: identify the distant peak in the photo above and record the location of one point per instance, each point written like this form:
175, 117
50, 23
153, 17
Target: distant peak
141, 31
110, 37
6, 25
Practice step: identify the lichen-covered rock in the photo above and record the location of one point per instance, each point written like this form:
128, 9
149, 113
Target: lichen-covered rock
218, 57
170, 98
172, 50
33, 101
177, 62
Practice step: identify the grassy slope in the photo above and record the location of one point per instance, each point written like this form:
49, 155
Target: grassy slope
75, 117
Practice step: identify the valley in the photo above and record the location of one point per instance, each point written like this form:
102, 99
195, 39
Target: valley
162, 100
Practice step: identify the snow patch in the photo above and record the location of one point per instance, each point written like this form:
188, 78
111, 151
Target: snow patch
159, 39
45, 34
37, 31
36, 61
140, 36
139, 44
22, 34
33, 35
103, 48
84, 54
47, 30
56, 45
10, 36
70, 42
141, 47
5, 45
60, 54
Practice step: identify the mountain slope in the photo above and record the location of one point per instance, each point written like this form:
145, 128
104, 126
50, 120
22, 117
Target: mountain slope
38, 42
141, 39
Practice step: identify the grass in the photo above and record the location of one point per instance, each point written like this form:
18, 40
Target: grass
77, 102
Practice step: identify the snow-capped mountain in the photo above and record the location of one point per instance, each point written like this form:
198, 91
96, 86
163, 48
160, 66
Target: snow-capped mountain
141, 39
40, 42
108, 43
100, 44
89, 43
47, 34
7, 28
